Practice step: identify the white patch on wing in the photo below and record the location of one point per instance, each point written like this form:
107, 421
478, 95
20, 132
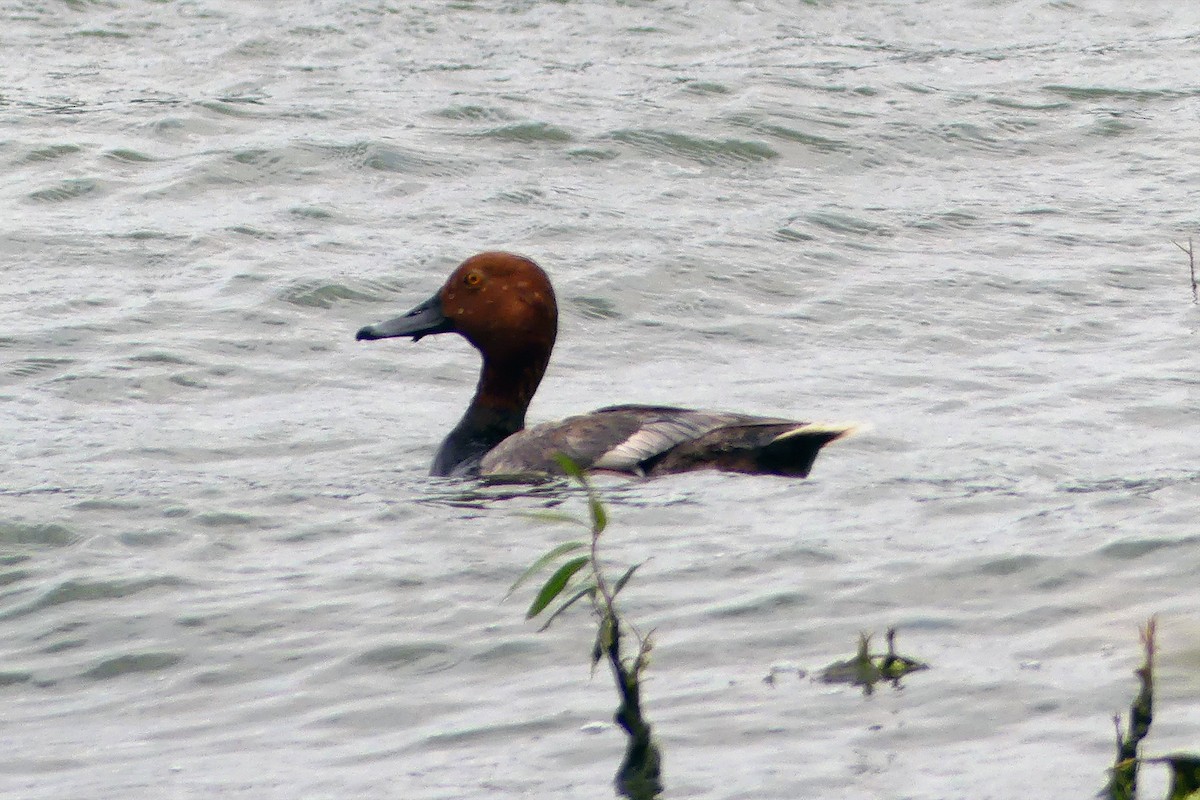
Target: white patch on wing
658, 436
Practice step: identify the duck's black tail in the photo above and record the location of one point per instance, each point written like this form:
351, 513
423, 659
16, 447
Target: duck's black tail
793, 452
769, 447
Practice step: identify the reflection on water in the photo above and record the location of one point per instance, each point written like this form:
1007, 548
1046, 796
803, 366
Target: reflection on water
485, 493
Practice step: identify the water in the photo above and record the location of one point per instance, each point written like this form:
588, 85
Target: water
224, 572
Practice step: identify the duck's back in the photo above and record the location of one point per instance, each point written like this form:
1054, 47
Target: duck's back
659, 440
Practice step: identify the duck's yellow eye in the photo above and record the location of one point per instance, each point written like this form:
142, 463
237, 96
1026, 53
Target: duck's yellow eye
473, 279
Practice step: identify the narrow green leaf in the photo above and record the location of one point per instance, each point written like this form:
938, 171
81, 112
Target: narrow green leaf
599, 515
540, 564
555, 585
603, 641
624, 579
573, 470
584, 592
552, 516
569, 466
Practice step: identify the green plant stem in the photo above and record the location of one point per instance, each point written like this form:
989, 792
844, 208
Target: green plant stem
640, 774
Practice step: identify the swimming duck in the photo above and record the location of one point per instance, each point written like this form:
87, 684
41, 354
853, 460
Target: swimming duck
504, 305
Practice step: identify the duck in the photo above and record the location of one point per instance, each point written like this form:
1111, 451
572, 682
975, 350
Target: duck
504, 305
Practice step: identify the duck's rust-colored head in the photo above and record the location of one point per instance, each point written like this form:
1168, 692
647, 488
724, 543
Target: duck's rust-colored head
504, 305
500, 302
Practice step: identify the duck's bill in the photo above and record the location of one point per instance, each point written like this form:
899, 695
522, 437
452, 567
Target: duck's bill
423, 320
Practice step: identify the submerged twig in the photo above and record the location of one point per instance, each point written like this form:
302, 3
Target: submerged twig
1192, 266
1123, 785
640, 775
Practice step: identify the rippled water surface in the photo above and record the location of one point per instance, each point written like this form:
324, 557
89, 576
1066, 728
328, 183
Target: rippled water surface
224, 572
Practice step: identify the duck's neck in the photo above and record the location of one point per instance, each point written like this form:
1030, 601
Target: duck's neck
506, 386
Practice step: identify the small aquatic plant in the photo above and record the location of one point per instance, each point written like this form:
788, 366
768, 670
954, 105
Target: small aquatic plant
866, 670
580, 576
1123, 784
1185, 767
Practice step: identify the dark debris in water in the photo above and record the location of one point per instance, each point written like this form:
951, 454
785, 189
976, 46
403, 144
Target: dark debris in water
481, 494
866, 669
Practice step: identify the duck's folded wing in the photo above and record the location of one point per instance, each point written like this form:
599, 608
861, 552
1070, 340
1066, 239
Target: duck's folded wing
645, 440
615, 438
659, 430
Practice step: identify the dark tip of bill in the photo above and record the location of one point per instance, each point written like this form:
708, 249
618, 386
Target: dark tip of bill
364, 333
